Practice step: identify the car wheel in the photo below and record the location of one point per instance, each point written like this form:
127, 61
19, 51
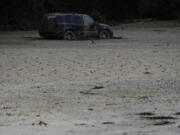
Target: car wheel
104, 34
69, 35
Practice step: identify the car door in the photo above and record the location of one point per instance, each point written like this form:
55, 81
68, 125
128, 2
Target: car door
50, 23
78, 22
90, 26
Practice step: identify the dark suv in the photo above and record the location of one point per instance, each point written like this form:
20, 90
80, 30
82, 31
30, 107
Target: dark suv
73, 26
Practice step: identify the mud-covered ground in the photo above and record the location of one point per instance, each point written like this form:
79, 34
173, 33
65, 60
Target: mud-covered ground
128, 86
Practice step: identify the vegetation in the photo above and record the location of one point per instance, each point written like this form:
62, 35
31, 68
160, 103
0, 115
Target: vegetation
26, 14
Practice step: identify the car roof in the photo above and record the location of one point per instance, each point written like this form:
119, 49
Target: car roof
57, 14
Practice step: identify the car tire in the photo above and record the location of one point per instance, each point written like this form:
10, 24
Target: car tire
69, 35
104, 34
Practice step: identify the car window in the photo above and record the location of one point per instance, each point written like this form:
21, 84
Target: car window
59, 19
77, 19
49, 19
88, 20
68, 18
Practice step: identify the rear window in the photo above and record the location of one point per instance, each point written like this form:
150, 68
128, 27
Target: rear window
59, 19
68, 18
77, 19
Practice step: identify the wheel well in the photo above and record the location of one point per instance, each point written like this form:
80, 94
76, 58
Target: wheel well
105, 30
69, 30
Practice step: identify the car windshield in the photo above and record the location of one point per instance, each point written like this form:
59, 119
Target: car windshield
88, 20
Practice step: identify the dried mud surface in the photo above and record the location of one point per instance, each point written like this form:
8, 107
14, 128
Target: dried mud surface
128, 86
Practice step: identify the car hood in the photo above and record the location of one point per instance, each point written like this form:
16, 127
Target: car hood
104, 26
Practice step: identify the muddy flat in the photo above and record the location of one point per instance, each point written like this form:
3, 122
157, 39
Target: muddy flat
121, 86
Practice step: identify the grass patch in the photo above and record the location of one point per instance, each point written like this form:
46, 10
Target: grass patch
145, 114
159, 118
147, 73
97, 87
178, 113
108, 123
163, 123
